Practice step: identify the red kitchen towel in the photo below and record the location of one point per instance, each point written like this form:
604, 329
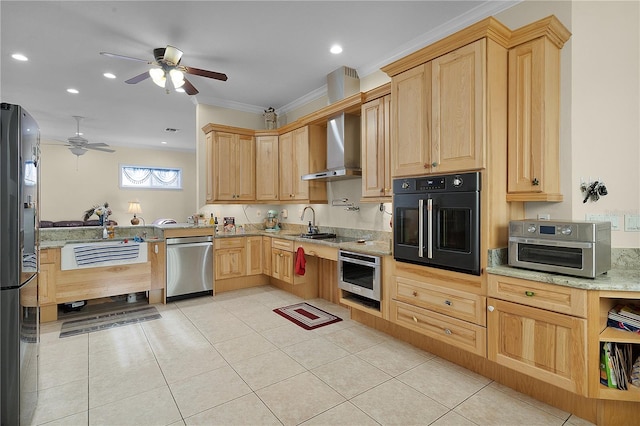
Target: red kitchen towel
300, 261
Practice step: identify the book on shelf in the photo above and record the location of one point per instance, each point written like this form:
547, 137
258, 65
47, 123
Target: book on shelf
623, 325
616, 365
617, 320
630, 310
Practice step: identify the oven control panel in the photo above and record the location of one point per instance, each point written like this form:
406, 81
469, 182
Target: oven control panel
558, 230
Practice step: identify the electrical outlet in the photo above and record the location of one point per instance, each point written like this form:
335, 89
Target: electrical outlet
632, 223
284, 213
258, 213
544, 216
613, 219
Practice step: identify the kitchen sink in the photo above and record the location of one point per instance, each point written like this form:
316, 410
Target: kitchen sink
319, 236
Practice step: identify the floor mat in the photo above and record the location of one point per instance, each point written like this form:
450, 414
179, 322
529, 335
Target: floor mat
307, 316
107, 320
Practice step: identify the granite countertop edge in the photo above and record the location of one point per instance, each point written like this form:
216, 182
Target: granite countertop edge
613, 280
378, 248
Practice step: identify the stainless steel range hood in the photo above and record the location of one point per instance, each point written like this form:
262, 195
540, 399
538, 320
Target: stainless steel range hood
343, 131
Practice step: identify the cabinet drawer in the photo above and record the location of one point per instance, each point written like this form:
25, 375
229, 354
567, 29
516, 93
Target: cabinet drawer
282, 244
461, 334
49, 255
458, 304
566, 300
225, 243
319, 250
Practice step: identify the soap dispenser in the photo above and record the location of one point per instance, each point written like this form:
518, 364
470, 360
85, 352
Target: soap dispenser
105, 234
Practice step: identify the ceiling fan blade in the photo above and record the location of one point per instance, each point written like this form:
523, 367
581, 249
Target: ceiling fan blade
188, 87
205, 73
98, 147
95, 144
172, 55
129, 58
138, 78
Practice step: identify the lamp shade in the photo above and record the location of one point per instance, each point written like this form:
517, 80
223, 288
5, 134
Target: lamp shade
158, 76
134, 207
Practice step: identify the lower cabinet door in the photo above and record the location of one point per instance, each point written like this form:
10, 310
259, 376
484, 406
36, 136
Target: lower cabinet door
546, 345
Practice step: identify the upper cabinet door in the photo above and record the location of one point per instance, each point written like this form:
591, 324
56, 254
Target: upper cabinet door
246, 168
225, 152
410, 115
458, 112
534, 129
267, 165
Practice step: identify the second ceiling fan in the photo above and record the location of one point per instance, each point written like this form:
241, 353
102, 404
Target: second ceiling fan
168, 68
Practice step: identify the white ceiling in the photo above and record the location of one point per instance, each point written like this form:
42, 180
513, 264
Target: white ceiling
274, 54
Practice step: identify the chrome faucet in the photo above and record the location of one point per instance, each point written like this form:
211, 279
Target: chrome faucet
312, 229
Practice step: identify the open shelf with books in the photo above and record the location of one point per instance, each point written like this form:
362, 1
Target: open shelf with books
606, 302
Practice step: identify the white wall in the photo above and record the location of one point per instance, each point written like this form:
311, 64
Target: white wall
70, 185
600, 111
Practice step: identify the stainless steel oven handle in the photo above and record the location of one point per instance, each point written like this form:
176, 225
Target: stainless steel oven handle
430, 228
420, 227
551, 243
357, 262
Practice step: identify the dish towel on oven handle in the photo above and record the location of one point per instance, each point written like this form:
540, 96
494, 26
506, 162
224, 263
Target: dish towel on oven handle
300, 261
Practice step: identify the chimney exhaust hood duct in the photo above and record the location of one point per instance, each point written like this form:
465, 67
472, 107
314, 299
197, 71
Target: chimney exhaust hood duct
343, 131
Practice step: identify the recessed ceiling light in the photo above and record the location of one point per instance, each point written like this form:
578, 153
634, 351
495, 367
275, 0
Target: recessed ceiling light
74, 91
19, 57
163, 142
109, 75
335, 49
180, 89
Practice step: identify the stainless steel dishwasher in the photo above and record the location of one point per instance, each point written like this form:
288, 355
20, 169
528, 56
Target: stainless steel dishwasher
189, 267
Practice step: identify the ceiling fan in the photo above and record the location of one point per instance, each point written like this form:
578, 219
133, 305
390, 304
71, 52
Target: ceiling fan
79, 145
167, 61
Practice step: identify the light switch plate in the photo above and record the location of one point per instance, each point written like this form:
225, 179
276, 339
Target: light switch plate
600, 217
632, 222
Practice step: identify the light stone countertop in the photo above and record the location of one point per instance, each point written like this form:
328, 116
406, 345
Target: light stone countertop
615, 279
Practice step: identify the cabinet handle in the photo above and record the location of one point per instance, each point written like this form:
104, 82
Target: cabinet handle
448, 302
529, 293
434, 164
425, 165
447, 332
415, 319
490, 308
280, 254
535, 182
415, 294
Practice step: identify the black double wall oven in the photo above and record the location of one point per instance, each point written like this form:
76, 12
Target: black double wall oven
436, 221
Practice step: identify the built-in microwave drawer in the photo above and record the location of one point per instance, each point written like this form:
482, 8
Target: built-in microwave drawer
461, 334
458, 304
557, 298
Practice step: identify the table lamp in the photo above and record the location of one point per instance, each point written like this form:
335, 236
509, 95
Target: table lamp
134, 207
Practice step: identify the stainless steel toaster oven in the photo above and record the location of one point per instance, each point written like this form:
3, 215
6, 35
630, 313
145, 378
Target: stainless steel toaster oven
565, 247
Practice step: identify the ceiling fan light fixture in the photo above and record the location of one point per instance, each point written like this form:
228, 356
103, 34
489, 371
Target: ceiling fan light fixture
76, 150
158, 77
177, 78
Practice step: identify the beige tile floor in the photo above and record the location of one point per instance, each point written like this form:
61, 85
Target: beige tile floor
229, 360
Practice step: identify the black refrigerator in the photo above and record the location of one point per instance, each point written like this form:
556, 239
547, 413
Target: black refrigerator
19, 245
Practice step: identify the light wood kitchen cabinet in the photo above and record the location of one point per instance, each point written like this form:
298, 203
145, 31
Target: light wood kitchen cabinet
230, 258
302, 151
282, 265
254, 255
235, 167
534, 120
439, 114
210, 159
158, 258
533, 336
458, 109
46, 278
267, 167
410, 115
266, 256
375, 153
